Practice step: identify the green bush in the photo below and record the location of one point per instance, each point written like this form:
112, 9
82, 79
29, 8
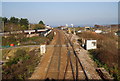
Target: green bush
20, 55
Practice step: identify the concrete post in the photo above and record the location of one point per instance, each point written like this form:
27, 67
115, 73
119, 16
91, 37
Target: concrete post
54, 33
42, 49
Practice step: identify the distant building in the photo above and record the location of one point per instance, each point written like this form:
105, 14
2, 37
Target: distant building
98, 31
64, 27
79, 31
87, 28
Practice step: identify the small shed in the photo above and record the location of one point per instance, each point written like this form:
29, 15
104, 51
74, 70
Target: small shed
91, 44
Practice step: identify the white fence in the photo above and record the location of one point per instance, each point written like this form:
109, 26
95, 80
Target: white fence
47, 33
27, 32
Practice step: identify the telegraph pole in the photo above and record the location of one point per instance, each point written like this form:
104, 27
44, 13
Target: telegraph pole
73, 29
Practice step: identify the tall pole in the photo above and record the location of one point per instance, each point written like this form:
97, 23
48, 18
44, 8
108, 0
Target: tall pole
73, 29
66, 25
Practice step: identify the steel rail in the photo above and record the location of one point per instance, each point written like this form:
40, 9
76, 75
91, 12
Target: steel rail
59, 56
77, 59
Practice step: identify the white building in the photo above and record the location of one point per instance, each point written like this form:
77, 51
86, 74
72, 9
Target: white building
64, 27
87, 28
98, 31
79, 31
91, 44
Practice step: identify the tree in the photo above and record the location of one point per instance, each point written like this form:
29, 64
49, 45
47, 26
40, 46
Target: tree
41, 22
24, 23
5, 20
14, 24
14, 20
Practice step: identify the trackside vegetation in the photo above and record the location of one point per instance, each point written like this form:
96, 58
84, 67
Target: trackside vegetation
22, 64
106, 54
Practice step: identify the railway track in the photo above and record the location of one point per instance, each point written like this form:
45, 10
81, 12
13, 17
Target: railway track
53, 69
76, 66
73, 69
61, 63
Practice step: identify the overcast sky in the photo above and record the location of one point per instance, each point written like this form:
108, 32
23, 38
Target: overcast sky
61, 13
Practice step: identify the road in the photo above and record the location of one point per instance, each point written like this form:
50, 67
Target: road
60, 62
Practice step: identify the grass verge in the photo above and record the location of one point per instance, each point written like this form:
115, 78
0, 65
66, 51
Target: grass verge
22, 64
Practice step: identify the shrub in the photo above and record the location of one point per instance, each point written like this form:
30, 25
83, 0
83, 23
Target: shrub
22, 65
